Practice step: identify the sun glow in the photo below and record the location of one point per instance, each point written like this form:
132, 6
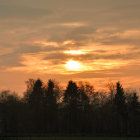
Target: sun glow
74, 52
68, 42
73, 65
45, 43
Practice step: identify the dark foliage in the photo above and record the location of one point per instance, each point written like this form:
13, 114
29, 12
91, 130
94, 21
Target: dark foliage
46, 110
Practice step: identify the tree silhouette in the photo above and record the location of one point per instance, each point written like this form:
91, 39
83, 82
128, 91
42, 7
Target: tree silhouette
133, 110
83, 93
81, 111
120, 99
71, 100
120, 102
50, 106
35, 97
9, 111
71, 96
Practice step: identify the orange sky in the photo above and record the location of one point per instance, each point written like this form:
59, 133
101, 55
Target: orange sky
83, 40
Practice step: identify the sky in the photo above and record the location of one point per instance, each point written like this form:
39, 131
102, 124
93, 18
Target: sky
82, 40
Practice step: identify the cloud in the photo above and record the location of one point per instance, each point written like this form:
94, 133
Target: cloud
4, 51
14, 11
10, 60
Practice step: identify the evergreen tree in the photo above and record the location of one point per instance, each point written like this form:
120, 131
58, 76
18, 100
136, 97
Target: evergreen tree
36, 96
120, 99
50, 107
133, 110
121, 108
72, 102
71, 95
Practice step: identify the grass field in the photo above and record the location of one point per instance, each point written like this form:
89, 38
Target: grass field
69, 138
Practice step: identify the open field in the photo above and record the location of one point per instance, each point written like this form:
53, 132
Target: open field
69, 138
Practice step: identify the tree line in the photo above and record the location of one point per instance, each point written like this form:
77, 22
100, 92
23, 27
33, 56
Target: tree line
79, 110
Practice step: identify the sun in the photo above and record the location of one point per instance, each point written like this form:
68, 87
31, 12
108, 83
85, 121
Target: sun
73, 65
